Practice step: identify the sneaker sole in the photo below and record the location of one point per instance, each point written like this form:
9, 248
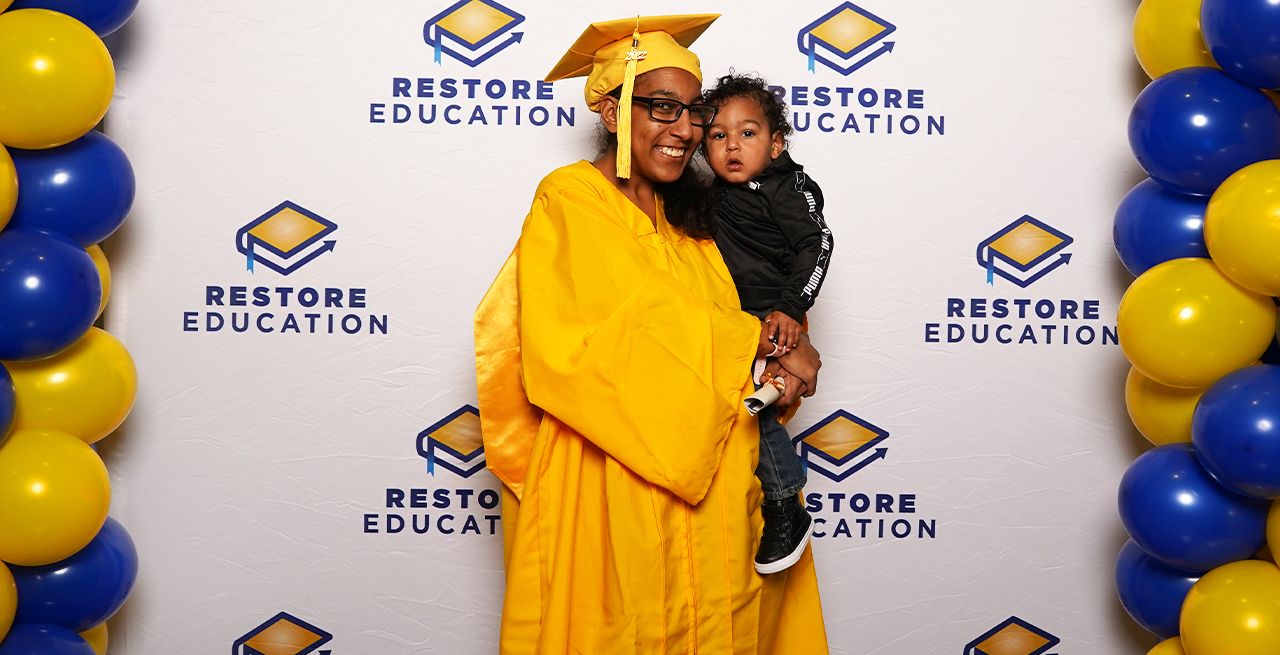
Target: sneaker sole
791, 558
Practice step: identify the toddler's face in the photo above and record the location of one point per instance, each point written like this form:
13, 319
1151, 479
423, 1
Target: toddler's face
739, 143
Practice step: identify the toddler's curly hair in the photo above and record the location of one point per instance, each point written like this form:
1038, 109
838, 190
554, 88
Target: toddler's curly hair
754, 88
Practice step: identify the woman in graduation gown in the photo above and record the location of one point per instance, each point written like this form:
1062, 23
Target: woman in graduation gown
612, 360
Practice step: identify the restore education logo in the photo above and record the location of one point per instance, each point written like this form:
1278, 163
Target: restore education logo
844, 40
452, 506
285, 238
283, 634
1022, 253
472, 31
1013, 636
838, 447
454, 442
278, 243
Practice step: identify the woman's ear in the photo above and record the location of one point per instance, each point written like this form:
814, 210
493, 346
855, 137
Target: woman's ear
609, 113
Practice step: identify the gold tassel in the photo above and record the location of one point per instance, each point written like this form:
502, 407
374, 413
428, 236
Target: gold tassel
634, 55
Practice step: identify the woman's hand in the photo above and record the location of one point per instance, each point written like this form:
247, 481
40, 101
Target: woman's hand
792, 387
802, 362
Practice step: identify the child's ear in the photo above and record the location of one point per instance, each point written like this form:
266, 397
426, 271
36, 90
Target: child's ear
777, 147
609, 113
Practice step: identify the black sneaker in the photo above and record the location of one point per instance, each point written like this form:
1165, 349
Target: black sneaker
786, 531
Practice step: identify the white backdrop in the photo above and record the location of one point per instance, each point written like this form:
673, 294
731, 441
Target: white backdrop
262, 468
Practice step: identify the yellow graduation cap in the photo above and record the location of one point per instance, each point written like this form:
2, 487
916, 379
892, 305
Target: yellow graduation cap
612, 53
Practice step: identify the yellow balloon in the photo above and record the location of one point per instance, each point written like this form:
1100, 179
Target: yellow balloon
86, 390
1273, 528
4, 4
1166, 36
1233, 609
97, 638
1170, 646
1183, 324
104, 273
8, 600
54, 495
8, 185
56, 79
1242, 227
1161, 413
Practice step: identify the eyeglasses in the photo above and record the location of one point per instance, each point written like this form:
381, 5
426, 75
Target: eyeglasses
666, 110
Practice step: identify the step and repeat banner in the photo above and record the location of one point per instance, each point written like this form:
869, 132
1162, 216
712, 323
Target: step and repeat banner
326, 189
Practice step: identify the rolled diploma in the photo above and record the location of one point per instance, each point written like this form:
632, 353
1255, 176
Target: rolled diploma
766, 395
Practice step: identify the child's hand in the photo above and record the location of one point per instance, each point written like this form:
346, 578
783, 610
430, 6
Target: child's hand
782, 329
770, 345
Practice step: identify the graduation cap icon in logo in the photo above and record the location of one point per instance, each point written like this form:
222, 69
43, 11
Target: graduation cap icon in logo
472, 31
1012, 637
454, 442
282, 634
1023, 251
841, 444
285, 238
845, 38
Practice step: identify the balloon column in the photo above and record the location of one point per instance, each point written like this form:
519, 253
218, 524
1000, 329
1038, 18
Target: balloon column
65, 567
1198, 325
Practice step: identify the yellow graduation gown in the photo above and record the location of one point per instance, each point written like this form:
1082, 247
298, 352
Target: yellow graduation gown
612, 360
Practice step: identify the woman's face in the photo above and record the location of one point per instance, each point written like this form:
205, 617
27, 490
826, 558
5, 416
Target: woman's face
660, 151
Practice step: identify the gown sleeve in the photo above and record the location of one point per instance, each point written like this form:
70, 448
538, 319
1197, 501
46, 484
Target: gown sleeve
620, 351
508, 423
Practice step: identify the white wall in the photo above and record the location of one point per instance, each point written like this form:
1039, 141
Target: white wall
252, 459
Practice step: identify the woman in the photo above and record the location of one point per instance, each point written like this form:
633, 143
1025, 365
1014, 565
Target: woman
612, 361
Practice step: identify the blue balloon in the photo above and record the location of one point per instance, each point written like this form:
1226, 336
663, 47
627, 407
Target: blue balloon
49, 293
36, 639
83, 590
83, 189
1181, 516
1192, 128
102, 16
1241, 35
7, 399
1151, 592
1236, 431
1154, 225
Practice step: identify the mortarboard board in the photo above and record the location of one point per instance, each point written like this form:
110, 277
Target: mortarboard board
846, 31
841, 444
1023, 251
454, 442
1012, 637
282, 634
612, 53
285, 238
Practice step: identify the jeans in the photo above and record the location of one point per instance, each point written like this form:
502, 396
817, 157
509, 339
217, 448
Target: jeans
780, 470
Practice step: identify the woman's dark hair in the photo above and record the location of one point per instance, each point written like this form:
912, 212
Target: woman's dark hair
686, 202
753, 88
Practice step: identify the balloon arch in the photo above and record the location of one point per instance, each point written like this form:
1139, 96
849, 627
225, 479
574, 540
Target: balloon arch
1198, 324
65, 567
